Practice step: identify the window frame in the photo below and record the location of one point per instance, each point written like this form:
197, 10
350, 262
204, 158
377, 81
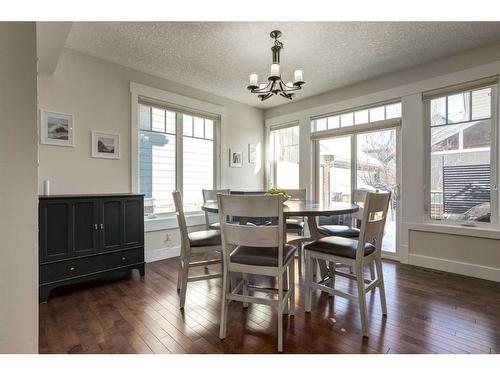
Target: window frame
180, 105
272, 162
494, 162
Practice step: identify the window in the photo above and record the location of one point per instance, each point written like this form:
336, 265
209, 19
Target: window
163, 135
284, 146
197, 159
362, 158
364, 116
461, 163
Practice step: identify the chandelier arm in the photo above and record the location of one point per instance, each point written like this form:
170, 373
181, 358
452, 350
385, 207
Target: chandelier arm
263, 90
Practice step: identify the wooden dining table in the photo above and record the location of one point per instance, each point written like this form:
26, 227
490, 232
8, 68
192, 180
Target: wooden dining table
308, 209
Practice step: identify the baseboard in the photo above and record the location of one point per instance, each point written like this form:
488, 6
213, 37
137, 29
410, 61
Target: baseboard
164, 253
467, 269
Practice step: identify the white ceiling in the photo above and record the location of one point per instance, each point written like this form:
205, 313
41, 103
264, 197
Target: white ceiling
219, 56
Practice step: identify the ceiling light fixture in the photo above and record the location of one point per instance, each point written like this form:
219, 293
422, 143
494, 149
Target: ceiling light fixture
275, 85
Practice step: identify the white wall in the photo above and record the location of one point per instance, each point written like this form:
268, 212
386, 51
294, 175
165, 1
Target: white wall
18, 190
97, 93
474, 252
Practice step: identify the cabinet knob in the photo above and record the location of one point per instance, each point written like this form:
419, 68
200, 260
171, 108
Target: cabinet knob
102, 226
124, 258
72, 268
96, 226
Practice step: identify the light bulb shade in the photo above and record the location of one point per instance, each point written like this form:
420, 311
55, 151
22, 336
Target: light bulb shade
254, 78
299, 76
275, 70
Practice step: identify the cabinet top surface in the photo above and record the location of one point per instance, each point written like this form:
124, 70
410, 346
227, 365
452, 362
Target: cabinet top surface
62, 196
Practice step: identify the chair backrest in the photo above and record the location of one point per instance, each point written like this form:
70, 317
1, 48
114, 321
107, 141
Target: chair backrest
251, 206
358, 198
181, 218
296, 194
376, 206
211, 196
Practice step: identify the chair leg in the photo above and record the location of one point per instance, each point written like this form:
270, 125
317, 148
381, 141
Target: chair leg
285, 285
308, 280
245, 288
206, 258
362, 299
224, 308
179, 272
381, 287
184, 281
331, 272
300, 249
291, 287
280, 312
372, 271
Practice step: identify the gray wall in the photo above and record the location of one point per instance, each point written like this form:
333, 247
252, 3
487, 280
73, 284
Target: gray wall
18, 190
97, 93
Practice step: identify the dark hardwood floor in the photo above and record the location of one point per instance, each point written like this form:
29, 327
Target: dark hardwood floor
428, 312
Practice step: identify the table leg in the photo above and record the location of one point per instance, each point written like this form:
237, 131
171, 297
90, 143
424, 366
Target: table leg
314, 234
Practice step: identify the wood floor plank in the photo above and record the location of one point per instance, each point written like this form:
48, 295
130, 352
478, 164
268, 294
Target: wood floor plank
428, 312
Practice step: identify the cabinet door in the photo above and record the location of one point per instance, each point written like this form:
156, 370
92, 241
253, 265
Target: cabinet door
54, 237
85, 232
111, 216
133, 212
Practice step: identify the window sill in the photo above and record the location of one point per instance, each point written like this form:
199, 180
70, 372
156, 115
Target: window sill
169, 221
458, 230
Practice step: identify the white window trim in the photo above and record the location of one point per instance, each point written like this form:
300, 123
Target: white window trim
137, 90
169, 221
468, 227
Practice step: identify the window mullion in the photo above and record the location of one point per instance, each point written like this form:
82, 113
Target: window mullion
179, 129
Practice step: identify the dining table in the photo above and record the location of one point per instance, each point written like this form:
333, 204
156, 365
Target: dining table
308, 209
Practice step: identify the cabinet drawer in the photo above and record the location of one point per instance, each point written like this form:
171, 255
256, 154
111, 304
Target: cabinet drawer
84, 266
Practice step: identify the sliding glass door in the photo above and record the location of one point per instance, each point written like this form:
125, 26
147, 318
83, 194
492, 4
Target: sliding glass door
376, 169
361, 160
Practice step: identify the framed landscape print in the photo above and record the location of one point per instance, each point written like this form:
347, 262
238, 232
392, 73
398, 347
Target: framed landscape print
57, 129
235, 158
105, 145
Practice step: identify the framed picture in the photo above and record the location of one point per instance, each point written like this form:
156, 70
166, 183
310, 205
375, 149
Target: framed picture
253, 153
235, 158
105, 145
57, 129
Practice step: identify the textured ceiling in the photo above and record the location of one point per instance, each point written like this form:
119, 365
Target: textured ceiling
219, 56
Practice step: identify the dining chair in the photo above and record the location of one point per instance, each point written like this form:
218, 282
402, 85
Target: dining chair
204, 242
355, 253
211, 196
295, 225
352, 229
256, 250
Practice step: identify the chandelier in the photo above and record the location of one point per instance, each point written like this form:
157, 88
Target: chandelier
275, 85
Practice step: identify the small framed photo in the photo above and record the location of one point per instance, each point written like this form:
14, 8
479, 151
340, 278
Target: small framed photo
57, 129
253, 153
105, 145
235, 158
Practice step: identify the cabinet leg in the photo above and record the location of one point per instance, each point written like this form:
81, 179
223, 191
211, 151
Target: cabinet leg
142, 270
43, 294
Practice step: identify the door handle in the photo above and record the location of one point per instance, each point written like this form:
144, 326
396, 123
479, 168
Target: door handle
102, 226
96, 226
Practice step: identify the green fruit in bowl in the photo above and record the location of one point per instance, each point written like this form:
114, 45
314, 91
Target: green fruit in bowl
276, 191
